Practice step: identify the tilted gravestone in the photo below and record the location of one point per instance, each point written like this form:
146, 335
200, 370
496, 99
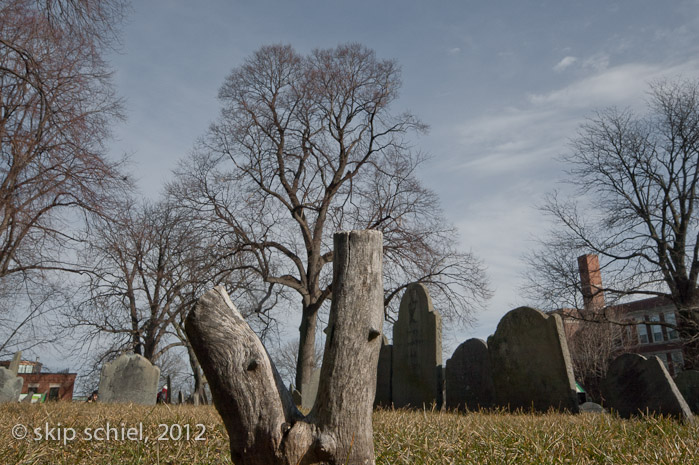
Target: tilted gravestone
469, 380
310, 390
416, 379
129, 379
10, 385
636, 384
14, 364
688, 384
530, 362
383, 375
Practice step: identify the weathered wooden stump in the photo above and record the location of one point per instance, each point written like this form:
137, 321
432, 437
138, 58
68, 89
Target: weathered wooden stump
264, 425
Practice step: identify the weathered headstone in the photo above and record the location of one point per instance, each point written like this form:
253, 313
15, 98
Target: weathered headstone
636, 384
469, 380
416, 379
591, 407
688, 384
530, 362
129, 378
310, 390
10, 385
383, 375
14, 364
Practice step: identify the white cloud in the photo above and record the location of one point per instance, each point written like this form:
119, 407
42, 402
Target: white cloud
623, 85
454, 51
564, 63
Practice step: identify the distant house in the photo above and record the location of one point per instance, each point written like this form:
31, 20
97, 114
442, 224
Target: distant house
646, 337
54, 386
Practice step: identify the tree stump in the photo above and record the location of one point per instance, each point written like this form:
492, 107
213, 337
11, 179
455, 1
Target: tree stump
264, 425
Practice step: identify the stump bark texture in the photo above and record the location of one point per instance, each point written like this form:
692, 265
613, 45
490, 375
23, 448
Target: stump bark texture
264, 425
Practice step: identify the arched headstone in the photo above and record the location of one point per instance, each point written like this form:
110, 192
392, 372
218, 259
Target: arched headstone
469, 380
417, 351
530, 362
129, 379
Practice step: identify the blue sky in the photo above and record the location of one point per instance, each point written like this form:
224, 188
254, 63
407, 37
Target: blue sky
502, 84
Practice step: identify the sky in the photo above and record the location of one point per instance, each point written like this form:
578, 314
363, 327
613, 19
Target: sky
503, 85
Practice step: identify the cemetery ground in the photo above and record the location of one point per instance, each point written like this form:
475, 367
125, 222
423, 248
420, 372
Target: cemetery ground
400, 437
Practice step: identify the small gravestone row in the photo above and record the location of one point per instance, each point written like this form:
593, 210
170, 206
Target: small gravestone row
526, 364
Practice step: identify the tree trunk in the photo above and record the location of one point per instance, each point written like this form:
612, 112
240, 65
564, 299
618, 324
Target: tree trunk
305, 362
263, 424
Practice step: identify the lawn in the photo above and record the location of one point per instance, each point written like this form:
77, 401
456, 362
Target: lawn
195, 435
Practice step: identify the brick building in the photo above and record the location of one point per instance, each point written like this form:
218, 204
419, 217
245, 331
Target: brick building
55, 386
647, 337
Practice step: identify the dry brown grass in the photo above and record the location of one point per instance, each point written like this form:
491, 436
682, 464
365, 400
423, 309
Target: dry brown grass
401, 437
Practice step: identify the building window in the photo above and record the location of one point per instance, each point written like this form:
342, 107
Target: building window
24, 369
642, 333
32, 389
672, 333
53, 393
657, 329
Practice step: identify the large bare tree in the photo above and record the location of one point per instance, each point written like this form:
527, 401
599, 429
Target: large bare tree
637, 176
309, 145
56, 107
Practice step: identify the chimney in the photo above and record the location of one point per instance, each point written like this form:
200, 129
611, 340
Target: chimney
591, 282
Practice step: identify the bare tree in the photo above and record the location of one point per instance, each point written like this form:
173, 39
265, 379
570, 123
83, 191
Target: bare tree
637, 177
306, 146
145, 267
56, 107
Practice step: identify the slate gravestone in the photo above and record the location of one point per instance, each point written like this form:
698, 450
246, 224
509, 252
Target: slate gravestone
129, 379
416, 378
688, 384
14, 364
637, 384
10, 385
530, 362
383, 375
310, 390
469, 380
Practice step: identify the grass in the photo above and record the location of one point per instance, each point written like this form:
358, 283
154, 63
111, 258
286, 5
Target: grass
401, 437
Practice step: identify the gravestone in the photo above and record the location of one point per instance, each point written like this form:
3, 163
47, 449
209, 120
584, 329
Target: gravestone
636, 384
591, 407
530, 362
688, 384
180, 397
129, 379
168, 400
383, 375
14, 364
10, 385
310, 390
469, 380
416, 378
